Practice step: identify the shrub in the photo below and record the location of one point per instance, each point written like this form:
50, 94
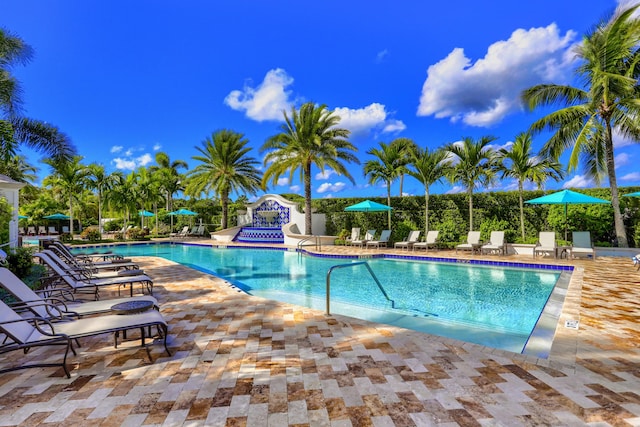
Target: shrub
20, 261
137, 233
91, 233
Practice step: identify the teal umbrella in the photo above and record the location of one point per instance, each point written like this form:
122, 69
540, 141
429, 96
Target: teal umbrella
636, 194
368, 206
144, 214
566, 197
183, 212
58, 216
22, 217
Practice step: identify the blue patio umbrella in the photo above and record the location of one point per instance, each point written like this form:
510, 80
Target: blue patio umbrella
566, 197
183, 212
22, 217
144, 214
57, 216
368, 206
636, 194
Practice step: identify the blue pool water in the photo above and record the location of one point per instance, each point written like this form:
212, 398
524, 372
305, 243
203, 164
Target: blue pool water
488, 305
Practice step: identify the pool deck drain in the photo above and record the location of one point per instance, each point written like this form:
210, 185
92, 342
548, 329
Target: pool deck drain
242, 360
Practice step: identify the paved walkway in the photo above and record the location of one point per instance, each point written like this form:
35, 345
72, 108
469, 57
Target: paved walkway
239, 360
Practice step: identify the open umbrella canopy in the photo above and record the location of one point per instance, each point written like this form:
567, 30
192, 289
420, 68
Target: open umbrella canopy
368, 206
566, 197
145, 213
636, 194
22, 217
56, 216
183, 212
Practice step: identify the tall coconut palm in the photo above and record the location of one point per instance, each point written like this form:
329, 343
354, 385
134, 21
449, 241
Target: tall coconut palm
97, 179
472, 165
521, 164
225, 167
388, 165
122, 195
169, 176
428, 167
14, 128
608, 100
68, 179
311, 136
406, 147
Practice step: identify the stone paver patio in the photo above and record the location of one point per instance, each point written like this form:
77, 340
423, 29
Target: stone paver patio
239, 360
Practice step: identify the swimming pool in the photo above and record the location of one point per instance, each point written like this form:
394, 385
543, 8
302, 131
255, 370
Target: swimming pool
496, 306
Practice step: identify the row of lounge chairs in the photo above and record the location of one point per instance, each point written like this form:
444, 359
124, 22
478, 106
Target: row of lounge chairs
196, 231
42, 230
57, 315
369, 241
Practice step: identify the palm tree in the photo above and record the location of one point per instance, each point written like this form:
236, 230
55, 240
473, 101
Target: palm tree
97, 179
68, 179
472, 165
387, 167
428, 167
225, 167
311, 136
170, 179
520, 164
122, 195
609, 100
14, 128
406, 147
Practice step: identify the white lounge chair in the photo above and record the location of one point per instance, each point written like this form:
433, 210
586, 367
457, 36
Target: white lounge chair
413, 237
45, 305
582, 245
495, 245
42, 230
382, 241
431, 241
473, 242
23, 333
70, 279
52, 230
355, 235
181, 233
546, 244
370, 235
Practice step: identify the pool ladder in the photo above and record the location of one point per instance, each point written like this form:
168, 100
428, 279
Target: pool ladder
317, 244
353, 264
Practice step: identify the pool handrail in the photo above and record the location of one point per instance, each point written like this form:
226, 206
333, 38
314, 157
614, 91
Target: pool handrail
353, 264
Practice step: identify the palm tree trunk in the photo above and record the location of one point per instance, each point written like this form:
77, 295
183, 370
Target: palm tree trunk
470, 194
426, 211
621, 233
520, 190
401, 183
307, 200
224, 201
389, 204
100, 213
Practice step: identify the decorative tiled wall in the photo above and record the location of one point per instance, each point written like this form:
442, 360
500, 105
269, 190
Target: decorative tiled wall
279, 220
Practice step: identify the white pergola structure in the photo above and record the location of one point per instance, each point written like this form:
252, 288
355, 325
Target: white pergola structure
9, 190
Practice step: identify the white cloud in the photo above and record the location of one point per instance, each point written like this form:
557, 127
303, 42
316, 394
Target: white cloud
329, 187
125, 164
156, 147
144, 160
579, 181
363, 120
295, 188
325, 174
380, 56
455, 189
483, 93
265, 102
116, 148
328, 196
633, 176
622, 159
283, 181
129, 152
128, 163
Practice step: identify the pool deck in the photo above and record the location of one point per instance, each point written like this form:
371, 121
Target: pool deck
239, 360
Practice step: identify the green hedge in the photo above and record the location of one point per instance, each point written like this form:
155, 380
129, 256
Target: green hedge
449, 213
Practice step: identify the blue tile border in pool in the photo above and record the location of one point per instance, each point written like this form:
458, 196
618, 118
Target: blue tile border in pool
362, 256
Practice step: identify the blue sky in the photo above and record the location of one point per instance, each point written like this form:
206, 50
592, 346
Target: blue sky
125, 79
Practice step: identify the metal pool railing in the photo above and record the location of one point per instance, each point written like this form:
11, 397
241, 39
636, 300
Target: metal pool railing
353, 264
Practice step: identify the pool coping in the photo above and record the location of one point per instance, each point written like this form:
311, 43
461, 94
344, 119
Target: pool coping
541, 347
